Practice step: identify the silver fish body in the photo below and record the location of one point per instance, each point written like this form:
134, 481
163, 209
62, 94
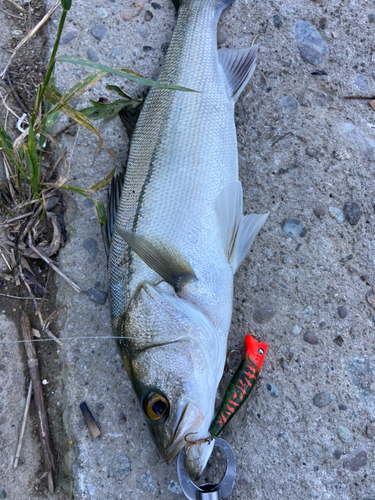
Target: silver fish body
180, 235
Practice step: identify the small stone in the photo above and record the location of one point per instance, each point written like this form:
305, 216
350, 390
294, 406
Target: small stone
92, 54
120, 467
323, 399
222, 36
370, 297
52, 202
264, 312
174, 487
338, 452
294, 228
342, 312
344, 434
133, 10
312, 152
273, 390
115, 52
356, 460
97, 296
353, 212
2, 493
45, 382
310, 338
71, 35
277, 21
313, 49
323, 23
88, 203
371, 17
101, 13
370, 431
147, 48
99, 31
342, 407
91, 245
337, 214
155, 6
148, 15
319, 210
360, 82
338, 340
289, 105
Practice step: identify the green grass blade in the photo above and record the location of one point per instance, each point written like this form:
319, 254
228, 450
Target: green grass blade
124, 73
33, 164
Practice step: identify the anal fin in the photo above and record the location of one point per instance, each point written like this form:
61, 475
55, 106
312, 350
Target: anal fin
238, 65
168, 262
238, 231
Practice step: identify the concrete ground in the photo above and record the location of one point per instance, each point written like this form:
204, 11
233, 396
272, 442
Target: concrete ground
306, 288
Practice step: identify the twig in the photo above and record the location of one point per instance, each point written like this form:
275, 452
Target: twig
5, 260
282, 137
21, 9
9, 14
21, 298
38, 398
358, 97
19, 217
29, 35
22, 432
16, 96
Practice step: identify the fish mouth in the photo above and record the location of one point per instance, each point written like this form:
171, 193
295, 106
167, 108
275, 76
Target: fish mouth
189, 422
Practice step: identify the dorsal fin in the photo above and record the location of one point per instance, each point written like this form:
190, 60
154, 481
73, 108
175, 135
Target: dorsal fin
114, 195
238, 65
238, 231
168, 262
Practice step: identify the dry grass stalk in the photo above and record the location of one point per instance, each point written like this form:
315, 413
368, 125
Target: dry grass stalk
44, 434
24, 420
30, 34
20, 298
18, 7
19, 217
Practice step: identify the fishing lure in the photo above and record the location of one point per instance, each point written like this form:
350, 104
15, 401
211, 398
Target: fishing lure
241, 384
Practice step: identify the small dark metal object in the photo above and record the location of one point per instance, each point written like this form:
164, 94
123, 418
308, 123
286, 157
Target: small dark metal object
208, 491
62, 210
89, 420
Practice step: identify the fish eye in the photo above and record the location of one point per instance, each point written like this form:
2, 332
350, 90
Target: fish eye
155, 405
261, 351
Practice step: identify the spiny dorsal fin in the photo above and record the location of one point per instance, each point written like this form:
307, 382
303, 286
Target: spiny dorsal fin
162, 258
238, 231
114, 196
238, 65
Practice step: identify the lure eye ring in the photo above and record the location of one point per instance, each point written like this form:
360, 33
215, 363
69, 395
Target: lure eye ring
155, 406
260, 350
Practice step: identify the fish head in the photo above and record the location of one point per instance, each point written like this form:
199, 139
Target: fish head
173, 360
255, 351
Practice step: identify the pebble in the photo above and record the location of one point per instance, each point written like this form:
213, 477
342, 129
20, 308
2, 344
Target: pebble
2, 493
312, 152
353, 212
371, 17
337, 214
71, 35
319, 210
133, 10
294, 228
338, 340
115, 52
97, 296
310, 338
148, 15
323, 399
370, 297
222, 36
88, 203
338, 452
147, 48
264, 312
289, 105
360, 82
356, 460
174, 487
342, 312
363, 375
99, 31
342, 407
92, 54
52, 202
365, 145
344, 434
277, 21
273, 390
155, 6
120, 467
313, 48
323, 23
101, 13
370, 431
91, 245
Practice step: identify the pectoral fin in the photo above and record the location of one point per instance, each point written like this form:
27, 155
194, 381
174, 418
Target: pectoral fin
169, 263
238, 65
238, 231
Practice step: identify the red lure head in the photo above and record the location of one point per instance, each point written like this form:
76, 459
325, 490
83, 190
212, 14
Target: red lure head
255, 351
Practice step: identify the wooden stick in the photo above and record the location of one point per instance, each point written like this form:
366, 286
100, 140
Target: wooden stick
32, 362
20, 439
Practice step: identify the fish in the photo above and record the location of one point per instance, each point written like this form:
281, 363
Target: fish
179, 235
241, 385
